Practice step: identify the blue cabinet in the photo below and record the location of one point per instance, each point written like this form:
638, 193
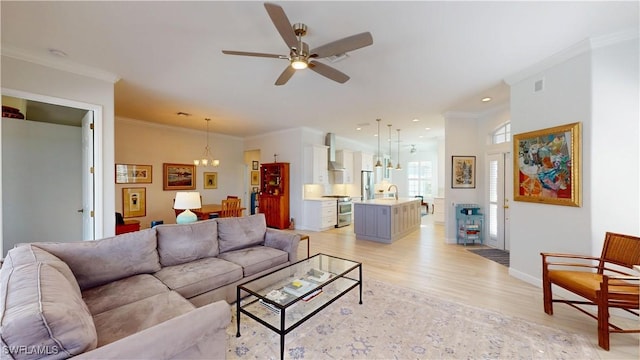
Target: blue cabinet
469, 224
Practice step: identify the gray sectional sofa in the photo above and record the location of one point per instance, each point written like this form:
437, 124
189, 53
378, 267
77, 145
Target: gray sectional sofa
159, 293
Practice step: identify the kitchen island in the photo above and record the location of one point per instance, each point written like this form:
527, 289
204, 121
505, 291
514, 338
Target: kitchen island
386, 220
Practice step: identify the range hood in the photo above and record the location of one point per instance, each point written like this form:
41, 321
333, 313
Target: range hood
333, 165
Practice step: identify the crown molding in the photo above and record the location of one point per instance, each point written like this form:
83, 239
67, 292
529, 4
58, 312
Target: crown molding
582, 47
59, 64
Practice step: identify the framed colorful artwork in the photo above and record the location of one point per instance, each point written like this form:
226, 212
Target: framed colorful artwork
134, 202
129, 174
210, 180
463, 172
255, 165
178, 176
547, 166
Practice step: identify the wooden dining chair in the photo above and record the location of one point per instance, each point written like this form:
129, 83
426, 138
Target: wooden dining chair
230, 208
603, 282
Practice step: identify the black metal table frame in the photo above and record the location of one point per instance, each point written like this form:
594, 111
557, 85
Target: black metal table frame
282, 331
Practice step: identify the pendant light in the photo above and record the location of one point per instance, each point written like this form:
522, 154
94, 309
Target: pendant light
207, 157
389, 164
398, 167
378, 163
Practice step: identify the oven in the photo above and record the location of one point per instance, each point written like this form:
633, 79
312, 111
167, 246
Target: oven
344, 210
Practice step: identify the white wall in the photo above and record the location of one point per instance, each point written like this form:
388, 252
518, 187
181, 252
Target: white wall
615, 141
32, 78
461, 131
145, 143
600, 90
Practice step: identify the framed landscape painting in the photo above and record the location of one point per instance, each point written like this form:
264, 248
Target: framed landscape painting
547, 166
463, 172
178, 177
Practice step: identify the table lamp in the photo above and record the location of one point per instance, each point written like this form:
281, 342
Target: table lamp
187, 201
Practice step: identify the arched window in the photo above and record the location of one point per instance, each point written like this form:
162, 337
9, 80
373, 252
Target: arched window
502, 134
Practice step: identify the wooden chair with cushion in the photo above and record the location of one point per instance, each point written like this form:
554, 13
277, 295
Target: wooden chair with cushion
604, 282
231, 208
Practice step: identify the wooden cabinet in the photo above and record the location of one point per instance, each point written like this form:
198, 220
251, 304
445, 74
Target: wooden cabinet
274, 194
316, 158
344, 157
320, 215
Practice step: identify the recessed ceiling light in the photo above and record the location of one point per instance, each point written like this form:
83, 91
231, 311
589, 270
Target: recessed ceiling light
486, 99
181, 113
427, 129
58, 53
358, 128
415, 120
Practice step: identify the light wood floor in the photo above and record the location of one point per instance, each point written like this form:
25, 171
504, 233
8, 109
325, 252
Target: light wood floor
423, 261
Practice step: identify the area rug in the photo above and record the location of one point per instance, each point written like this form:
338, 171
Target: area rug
400, 323
497, 255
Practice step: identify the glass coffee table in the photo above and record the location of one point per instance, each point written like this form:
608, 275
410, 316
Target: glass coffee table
284, 299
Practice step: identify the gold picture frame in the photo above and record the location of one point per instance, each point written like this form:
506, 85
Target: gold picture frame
547, 165
210, 180
134, 174
134, 202
255, 178
178, 176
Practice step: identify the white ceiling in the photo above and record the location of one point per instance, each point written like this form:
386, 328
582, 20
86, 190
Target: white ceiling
427, 58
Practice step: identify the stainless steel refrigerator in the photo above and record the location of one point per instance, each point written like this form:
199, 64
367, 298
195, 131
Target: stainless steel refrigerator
366, 185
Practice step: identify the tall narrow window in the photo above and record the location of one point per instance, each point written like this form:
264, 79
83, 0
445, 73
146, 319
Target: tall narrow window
420, 178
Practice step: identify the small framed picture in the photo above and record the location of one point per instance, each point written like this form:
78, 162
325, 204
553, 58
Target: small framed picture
210, 180
130, 174
255, 165
254, 189
134, 202
463, 172
255, 178
178, 177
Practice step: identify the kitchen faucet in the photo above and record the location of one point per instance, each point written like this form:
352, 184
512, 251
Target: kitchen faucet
396, 193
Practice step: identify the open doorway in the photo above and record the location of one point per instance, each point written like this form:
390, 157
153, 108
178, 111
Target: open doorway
47, 172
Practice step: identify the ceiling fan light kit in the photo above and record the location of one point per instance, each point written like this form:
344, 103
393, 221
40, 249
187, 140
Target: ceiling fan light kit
299, 55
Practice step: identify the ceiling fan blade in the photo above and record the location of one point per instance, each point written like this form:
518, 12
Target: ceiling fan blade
282, 23
244, 53
285, 76
328, 71
344, 45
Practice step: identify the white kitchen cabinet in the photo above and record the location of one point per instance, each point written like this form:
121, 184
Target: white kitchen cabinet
344, 157
320, 215
316, 158
362, 161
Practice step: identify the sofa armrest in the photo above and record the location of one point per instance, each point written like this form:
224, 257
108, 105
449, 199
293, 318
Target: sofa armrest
198, 334
284, 241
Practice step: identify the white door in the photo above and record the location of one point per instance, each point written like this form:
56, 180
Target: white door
499, 197
88, 213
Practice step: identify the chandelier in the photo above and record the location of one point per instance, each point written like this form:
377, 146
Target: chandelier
207, 158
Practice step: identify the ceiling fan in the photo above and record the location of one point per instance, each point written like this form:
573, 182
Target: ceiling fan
299, 55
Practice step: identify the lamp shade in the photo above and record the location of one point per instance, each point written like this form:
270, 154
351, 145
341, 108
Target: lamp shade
187, 201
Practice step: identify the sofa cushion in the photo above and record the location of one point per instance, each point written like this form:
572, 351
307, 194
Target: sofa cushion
98, 262
182, 243
256, 259
240, 232
121, 292
27, 254
199, 276
120, 322
42, 309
